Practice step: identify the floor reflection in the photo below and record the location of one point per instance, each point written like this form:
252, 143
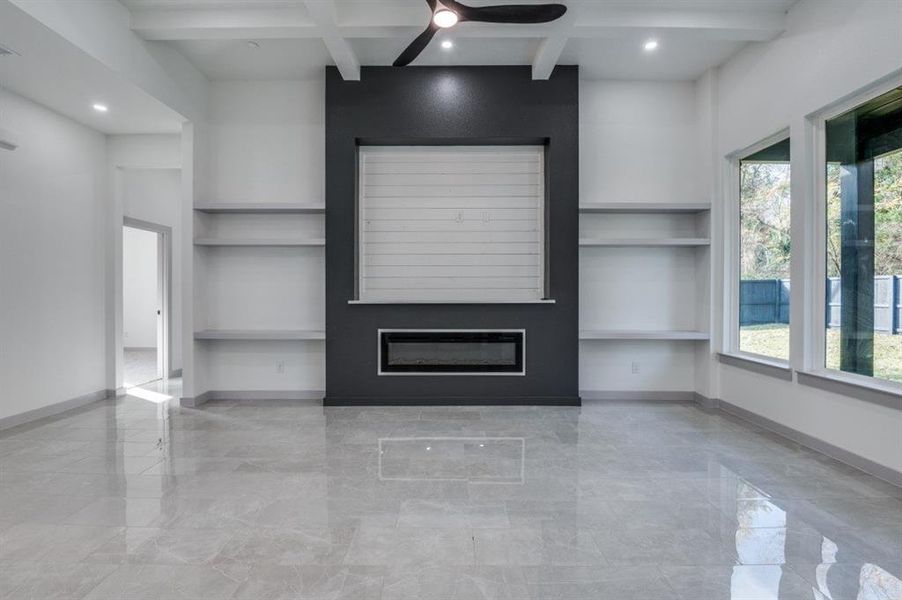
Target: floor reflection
138, 498
484, 460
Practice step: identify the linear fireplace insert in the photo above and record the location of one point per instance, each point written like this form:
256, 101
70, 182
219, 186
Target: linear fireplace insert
452, 352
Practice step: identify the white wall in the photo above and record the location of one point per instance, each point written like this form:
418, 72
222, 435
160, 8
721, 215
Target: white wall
52, 237
639, 143
153, 195
145, 175
139, 288
267, 141
831, 49
145, 151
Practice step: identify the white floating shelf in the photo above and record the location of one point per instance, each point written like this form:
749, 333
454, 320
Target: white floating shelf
260, 334
638, 334
259, 242
649, 242
644, 207
258, 207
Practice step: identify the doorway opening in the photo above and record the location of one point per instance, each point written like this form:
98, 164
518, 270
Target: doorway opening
145, 303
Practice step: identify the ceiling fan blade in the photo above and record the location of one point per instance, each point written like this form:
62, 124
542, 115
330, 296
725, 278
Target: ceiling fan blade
508, 13
413, 50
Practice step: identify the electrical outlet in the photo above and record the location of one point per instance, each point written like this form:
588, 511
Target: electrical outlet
280, 367
635, 367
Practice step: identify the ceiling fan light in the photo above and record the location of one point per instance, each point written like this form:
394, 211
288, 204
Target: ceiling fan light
445, 18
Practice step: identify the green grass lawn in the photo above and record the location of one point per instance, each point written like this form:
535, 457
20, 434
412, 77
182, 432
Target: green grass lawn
773, 340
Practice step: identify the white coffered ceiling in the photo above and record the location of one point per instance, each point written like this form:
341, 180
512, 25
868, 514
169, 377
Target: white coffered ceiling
296, 38
54, 72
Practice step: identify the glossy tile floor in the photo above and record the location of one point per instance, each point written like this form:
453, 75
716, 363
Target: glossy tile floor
140, 366
135, 499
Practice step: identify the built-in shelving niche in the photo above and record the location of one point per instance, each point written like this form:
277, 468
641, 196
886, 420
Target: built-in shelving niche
644, 294
644, 271
260, 273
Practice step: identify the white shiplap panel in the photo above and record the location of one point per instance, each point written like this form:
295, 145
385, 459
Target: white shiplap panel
451, 237
382, 180
453, 271
452, 260
451, 216
472, 204
441, 282
531, 166
460, 190
474, 296
439, 225
454, 224
385, 155
439, 249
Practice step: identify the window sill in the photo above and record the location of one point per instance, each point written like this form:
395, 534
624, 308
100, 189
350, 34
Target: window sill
772, 368
855, 386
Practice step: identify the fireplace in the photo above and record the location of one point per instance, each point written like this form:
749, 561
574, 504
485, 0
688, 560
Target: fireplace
483, 106
452, 352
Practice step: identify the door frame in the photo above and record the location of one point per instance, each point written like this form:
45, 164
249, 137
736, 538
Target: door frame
164, 291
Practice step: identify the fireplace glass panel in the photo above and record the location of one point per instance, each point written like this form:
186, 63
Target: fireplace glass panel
451, 352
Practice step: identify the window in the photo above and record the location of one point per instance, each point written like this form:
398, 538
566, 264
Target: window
451, 224
764, 251
864, 239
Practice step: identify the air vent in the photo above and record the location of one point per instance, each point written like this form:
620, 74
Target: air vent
4, 51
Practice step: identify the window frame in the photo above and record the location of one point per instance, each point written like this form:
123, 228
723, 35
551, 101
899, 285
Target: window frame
733, 268
815, 362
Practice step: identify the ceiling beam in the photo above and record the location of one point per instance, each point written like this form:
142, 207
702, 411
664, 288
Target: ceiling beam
558, 33
728, 25
586, 20
223, 24
547, 55
324, 14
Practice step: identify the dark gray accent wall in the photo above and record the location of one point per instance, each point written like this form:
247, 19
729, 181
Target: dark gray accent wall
453, 106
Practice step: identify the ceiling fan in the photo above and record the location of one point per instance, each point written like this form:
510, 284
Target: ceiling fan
447, 13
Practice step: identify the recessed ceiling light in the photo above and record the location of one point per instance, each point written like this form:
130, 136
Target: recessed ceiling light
253, 45
101, 107
650, 45
445, 18
447, 44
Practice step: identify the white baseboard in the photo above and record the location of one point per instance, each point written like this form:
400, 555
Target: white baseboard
809, 441
645, 396
253, 395
54, 409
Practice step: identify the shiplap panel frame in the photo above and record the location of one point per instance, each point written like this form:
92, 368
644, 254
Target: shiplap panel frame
451, 224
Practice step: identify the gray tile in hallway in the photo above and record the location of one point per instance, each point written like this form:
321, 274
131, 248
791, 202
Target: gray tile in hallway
140, 365
137, 499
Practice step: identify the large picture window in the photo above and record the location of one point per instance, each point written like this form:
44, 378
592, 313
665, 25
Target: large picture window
764, 251
864, 239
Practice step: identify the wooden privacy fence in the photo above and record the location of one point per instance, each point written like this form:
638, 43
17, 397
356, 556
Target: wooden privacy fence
763, 301
766, 301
